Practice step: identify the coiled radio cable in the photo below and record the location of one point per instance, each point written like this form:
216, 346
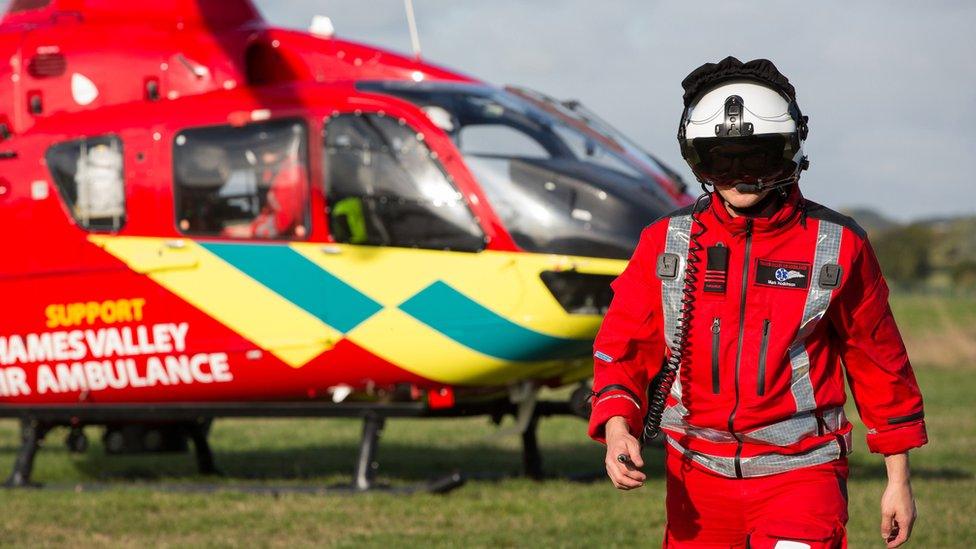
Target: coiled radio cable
669, 371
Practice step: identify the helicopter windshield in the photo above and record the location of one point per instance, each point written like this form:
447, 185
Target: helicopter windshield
558, 184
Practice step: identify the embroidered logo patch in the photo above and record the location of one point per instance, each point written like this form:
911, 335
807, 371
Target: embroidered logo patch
783, 274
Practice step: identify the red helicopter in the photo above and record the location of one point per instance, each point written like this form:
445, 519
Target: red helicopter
208, 217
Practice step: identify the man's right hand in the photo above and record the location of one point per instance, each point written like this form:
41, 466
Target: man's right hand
625, 476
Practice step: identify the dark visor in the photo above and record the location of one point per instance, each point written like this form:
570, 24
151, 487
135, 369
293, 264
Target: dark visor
743, 158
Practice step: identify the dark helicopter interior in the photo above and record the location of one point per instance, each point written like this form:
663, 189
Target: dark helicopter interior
557, 189
243, 182
385, 187
558, 186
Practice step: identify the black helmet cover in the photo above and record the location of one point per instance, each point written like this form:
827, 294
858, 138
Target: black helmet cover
709, 75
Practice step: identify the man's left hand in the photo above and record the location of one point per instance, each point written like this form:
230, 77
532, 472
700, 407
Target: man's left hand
897, 512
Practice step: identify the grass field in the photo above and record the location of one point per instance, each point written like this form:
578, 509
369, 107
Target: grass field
512, 512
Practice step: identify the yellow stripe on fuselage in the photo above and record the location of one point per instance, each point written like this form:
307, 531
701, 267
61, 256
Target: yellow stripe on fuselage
397, 337
507, 283
226, 294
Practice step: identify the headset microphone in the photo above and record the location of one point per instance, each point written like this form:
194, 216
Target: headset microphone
748, 188
761, 185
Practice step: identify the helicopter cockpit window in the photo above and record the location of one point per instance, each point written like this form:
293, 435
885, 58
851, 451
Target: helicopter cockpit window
242, 182
558, 183
89, 176
499, 140
385, 187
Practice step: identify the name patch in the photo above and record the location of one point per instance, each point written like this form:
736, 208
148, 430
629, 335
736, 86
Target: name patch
716, 269
783, 274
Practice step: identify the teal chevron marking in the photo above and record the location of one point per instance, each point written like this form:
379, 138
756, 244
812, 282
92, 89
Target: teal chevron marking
300, 281
468, 322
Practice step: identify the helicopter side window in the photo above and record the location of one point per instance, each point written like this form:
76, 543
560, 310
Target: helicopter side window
243, 182
385, 187
89, 176
24, 5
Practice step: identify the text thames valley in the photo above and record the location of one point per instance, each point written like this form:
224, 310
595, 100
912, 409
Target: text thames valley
96, 359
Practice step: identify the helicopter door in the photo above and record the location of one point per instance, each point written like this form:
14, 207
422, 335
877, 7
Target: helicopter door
386, 187
241, 193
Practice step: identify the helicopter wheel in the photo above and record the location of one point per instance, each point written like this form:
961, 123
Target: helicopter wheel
76, 441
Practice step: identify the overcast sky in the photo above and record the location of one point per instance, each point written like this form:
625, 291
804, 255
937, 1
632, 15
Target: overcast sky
889, 85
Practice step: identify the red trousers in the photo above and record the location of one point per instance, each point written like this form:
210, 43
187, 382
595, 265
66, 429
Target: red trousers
801, 509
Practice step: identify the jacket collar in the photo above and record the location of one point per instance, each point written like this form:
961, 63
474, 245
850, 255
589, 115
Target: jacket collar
788, 214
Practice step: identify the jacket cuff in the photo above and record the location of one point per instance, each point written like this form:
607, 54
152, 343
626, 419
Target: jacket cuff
898, 439
616, 403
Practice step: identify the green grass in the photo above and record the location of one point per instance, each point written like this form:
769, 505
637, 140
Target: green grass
509, 512
928, 313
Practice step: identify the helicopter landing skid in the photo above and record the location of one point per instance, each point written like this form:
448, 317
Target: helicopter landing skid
364, 478
193, 421
31, 435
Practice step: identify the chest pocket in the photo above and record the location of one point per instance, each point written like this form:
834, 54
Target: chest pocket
763, 357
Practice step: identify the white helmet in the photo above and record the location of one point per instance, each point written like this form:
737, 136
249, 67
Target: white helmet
742, 126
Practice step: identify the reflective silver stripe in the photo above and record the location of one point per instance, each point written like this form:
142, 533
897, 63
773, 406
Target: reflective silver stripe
676, 242
782, 433
674, 420
796, 428
679, 234
766, 464
800, 384
769, 464
617, 395
721, 465
827, 251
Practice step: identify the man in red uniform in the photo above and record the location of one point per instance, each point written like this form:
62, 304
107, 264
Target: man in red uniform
282, 214
760, 302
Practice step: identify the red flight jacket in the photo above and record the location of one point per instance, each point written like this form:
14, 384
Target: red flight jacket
780, 304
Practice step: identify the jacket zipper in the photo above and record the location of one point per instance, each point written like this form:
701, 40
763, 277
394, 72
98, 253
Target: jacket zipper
738, 354
761, 387
716, 328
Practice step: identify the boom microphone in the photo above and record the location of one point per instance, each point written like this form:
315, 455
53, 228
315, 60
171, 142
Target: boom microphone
765, 185
749, 188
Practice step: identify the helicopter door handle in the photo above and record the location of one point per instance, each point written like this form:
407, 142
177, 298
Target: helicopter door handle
331, 250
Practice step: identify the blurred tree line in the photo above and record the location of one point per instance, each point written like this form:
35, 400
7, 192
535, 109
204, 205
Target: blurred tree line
927, 255
904, 253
